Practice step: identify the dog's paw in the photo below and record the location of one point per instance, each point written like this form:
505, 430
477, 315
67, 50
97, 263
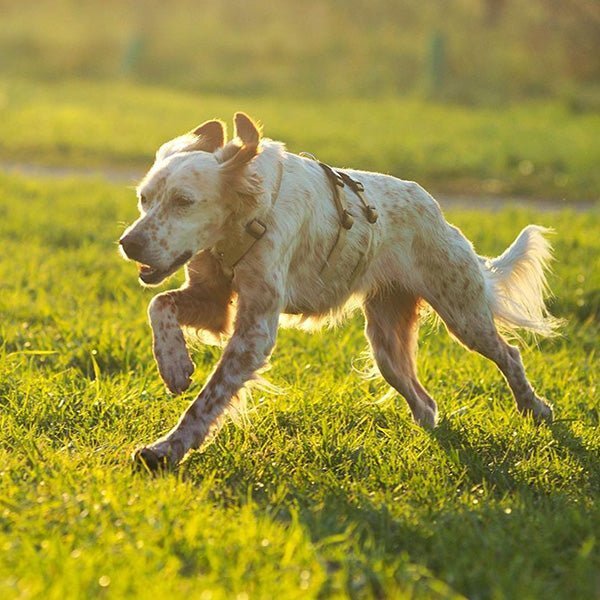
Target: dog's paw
426, 416
159, 457
175, 366
146, 459
170, 351
177, 373
540, 410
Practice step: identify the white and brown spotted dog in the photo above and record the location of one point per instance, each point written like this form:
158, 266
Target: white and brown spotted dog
203, 191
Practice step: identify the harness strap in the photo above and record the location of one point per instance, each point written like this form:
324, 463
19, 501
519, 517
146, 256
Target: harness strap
358, 188
346, 221
231, 250
337, 184
339, 180
362, 262
328, 267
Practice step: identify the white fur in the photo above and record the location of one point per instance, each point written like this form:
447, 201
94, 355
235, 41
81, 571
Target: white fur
518, 283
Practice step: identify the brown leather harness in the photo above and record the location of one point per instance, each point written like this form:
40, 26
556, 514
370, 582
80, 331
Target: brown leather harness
231, 251
339, 180
242, 239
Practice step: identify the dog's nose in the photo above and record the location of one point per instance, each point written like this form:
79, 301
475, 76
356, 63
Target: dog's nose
132, 246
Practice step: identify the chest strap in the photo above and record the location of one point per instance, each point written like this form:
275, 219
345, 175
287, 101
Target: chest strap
339, 180
238, 244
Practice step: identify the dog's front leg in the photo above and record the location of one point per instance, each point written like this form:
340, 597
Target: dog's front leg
207, 309
168, 344
204, 303
247, 351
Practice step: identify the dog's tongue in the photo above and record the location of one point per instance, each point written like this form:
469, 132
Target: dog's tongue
145, 269
146, 273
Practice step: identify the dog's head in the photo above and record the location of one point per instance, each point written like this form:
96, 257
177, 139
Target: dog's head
197, 182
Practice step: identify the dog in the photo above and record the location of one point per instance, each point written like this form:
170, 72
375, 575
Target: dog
267, 236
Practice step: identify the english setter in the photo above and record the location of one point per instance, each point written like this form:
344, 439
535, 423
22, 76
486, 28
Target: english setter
258, 230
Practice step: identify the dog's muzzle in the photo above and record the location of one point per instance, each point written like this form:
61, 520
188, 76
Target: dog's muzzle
134, 249
153, 275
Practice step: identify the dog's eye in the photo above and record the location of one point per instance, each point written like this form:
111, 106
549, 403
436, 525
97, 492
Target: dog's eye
182, 201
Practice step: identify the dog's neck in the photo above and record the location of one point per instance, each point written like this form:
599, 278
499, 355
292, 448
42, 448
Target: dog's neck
247, 226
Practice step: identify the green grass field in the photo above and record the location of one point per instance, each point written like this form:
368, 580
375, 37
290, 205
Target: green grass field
320, 491
539, 148
327, 489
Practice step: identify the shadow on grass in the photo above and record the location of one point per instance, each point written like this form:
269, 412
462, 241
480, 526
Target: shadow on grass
499, 475
464, 454
520, 539
588, 459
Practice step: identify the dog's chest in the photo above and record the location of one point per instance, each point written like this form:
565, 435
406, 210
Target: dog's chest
325, 271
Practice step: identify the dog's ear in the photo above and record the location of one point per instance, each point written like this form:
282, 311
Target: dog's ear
236, 155
246, 129
244, 147
211, 135
208, 137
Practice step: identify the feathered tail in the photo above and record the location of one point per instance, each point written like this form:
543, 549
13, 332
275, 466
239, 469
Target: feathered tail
517, 283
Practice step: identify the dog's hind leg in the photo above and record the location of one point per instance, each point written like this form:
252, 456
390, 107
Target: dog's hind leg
482, 336
204, 302
458, 297
392, 326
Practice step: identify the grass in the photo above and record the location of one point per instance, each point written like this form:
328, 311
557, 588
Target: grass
322, 491
535, 149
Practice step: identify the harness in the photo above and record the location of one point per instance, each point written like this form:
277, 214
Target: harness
339, 180
231, 251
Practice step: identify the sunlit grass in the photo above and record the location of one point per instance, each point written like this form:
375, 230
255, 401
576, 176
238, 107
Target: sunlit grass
538, 149
322, 492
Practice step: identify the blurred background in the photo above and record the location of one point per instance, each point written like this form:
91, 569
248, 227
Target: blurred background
467, 51
468, 54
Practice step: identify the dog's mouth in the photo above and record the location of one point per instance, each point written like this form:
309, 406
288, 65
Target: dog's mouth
153, 275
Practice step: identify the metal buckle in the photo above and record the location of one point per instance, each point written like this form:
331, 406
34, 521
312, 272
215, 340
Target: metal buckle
256, 228
347, 220
372, 214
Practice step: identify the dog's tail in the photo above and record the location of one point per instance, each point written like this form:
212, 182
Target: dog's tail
517, 283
